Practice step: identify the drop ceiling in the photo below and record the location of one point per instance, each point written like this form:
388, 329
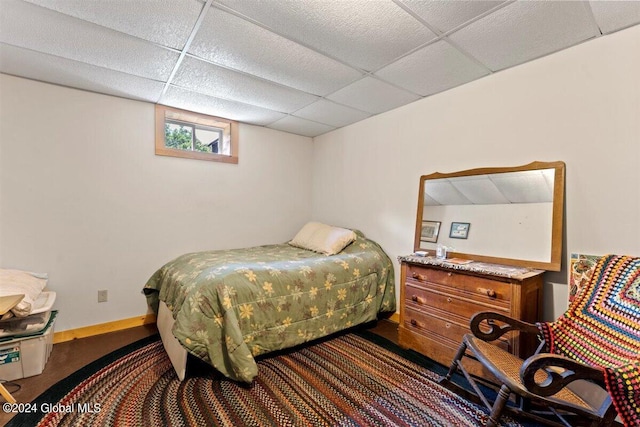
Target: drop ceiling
300, 66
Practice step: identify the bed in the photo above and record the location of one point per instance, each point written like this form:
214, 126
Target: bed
228, 307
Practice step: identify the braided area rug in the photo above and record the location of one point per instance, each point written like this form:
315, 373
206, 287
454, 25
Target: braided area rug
348, 380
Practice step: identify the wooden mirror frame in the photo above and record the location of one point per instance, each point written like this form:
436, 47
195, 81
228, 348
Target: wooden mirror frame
555, 262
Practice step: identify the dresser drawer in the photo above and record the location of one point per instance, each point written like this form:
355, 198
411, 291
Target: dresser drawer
431, 324
449, 302
479, 288
425, 322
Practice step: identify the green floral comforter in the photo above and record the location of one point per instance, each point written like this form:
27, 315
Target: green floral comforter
233, 305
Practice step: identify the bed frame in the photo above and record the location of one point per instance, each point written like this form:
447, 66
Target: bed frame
177, 353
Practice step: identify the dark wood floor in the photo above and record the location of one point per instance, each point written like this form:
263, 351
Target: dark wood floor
68, 357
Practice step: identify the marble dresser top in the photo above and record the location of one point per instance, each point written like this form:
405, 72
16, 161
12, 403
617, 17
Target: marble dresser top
474, 267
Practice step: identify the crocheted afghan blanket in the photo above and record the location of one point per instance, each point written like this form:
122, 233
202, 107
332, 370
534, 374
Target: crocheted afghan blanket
602, 328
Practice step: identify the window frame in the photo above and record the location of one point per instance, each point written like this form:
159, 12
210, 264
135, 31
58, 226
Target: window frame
164, 114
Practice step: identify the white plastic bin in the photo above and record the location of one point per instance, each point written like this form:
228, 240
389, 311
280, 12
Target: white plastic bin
26, 356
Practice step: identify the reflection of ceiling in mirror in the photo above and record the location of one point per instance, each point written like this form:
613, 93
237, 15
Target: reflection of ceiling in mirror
535, 186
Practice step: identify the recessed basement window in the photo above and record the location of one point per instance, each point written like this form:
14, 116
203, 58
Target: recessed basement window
186, 134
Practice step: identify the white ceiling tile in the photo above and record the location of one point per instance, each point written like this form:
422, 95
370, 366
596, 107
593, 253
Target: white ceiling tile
525, 187
223, 83
480, 190
526, 30
171, 24
366, 34
65, 72
36, 28
330, 113
442, 192
192, 101
235, 43
614, 15
300, 126
373, 96
447, 15
432, 69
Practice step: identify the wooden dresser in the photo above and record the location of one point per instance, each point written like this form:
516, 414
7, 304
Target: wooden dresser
437, 299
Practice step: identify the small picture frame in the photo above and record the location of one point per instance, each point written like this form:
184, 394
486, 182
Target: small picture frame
459, 230
429, 232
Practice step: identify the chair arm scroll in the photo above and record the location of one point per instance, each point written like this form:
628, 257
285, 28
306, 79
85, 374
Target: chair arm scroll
560, 371
496, 331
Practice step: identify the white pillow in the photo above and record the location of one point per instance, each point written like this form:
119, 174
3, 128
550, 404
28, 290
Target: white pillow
323, 238
15, 282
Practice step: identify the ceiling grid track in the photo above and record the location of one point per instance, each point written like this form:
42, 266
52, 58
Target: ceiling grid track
186, 47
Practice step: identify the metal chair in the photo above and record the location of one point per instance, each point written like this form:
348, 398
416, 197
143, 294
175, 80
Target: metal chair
597, 340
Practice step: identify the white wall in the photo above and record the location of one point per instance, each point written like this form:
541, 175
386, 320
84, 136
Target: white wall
581, 106
84, 198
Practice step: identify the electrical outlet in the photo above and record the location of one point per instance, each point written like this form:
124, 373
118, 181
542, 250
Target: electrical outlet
103, 296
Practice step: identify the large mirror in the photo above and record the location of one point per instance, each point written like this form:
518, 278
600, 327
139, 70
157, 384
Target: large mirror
509, 216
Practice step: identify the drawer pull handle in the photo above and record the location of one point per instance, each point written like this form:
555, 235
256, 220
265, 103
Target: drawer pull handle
447, 325
414, 322
449, 299
416, 298
488, 292
449, 274
421, 277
